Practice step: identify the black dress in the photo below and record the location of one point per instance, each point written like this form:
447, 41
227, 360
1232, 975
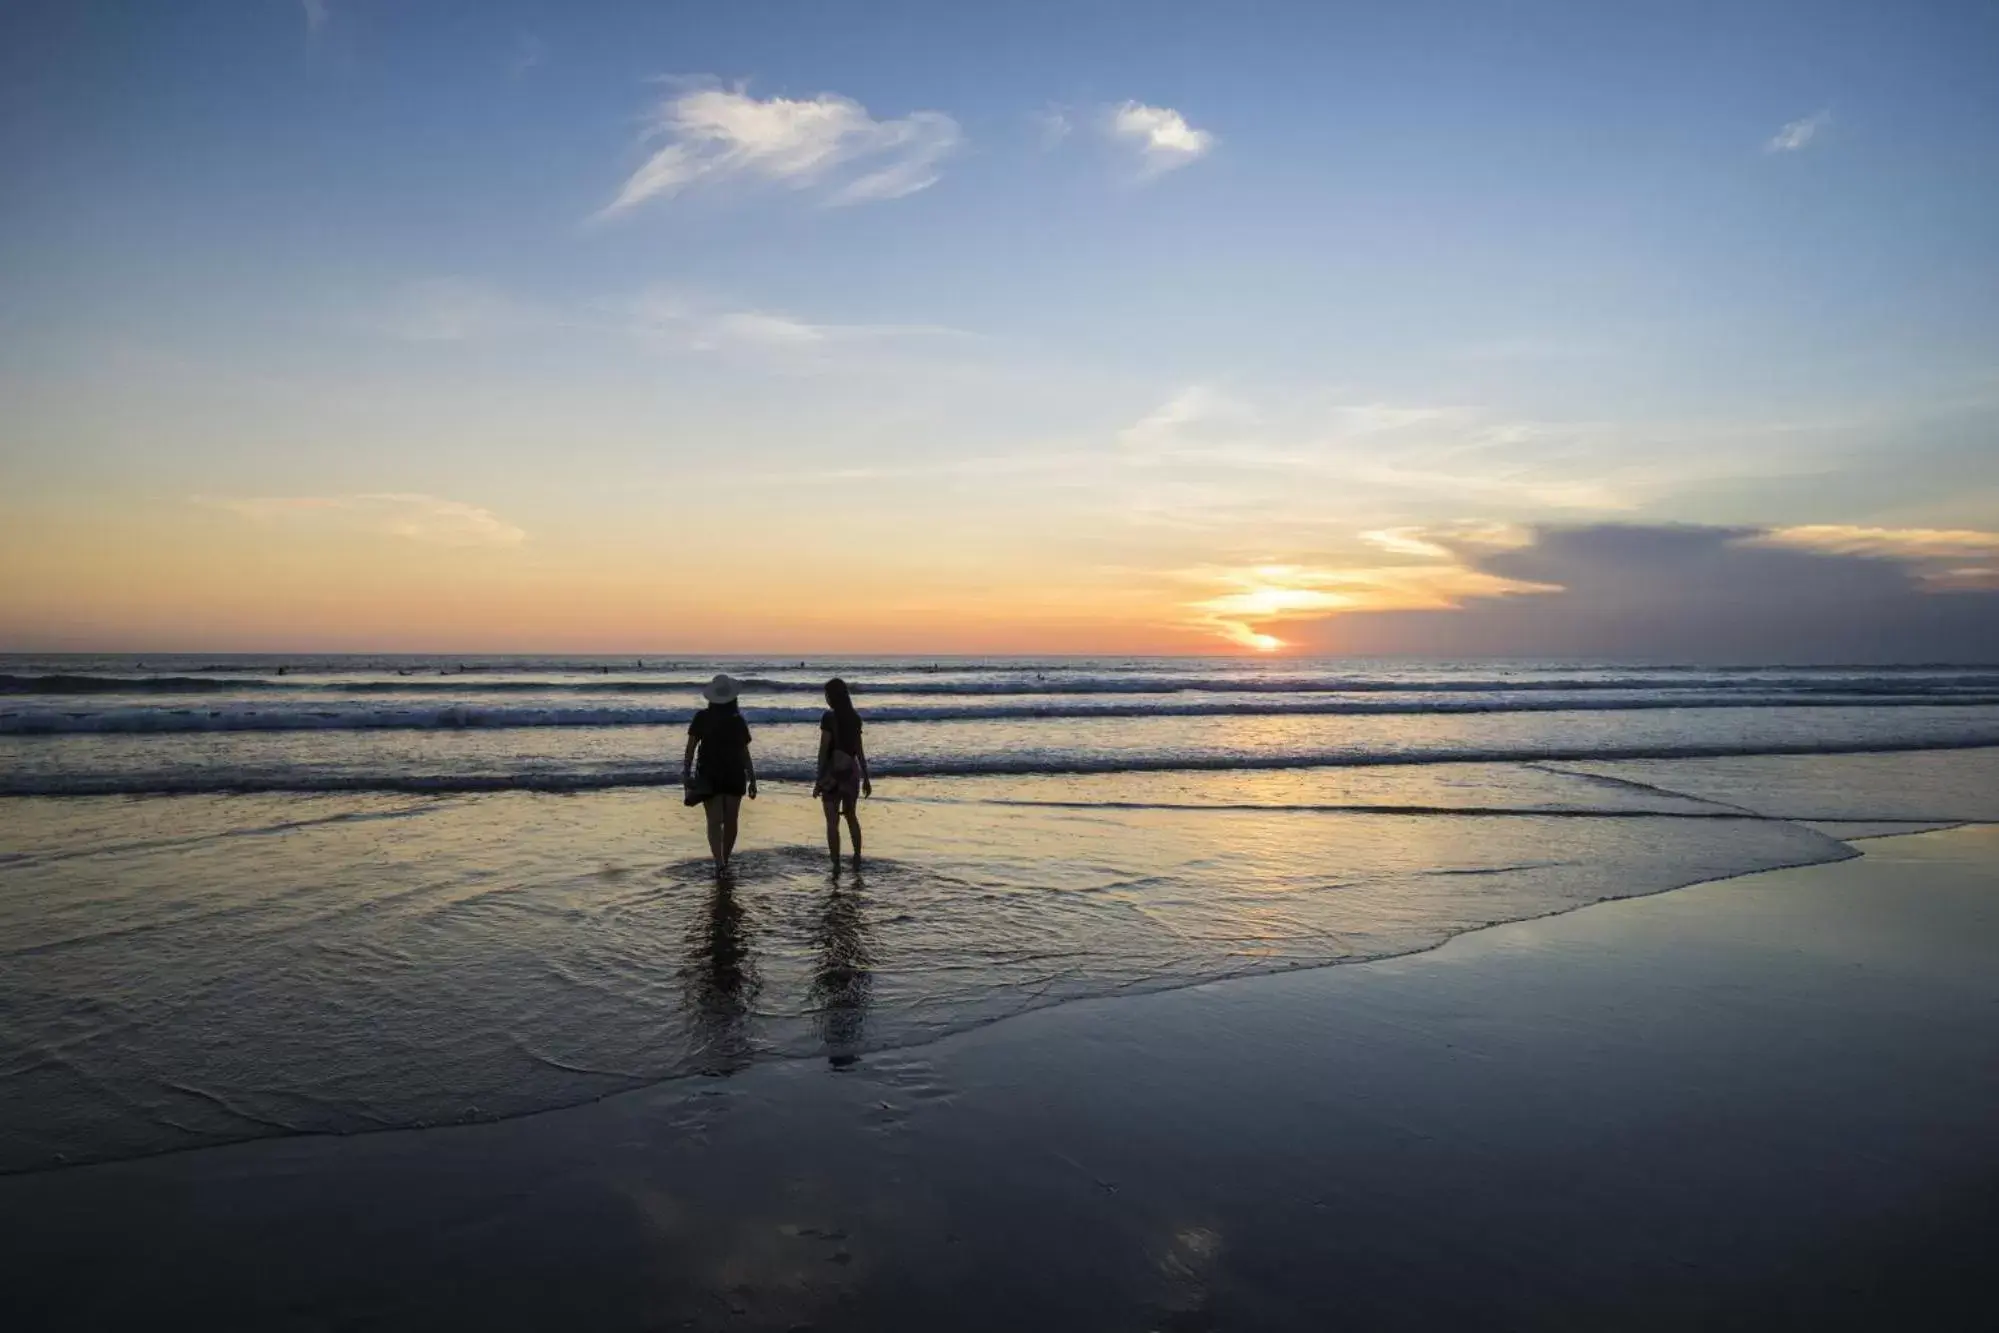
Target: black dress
722, 763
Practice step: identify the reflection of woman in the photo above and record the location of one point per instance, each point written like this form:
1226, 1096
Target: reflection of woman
721, 981
725, 772
842, 982
843, 767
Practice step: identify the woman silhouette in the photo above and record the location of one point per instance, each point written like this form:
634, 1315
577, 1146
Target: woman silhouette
724, 774
843, 767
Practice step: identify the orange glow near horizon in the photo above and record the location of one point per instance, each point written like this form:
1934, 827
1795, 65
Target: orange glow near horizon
400, 573
397, 572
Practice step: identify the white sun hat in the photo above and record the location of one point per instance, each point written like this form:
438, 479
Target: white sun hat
720, 690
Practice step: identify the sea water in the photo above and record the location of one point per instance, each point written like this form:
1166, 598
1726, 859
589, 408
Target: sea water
253, 896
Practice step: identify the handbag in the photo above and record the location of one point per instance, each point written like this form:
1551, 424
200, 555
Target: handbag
697, 788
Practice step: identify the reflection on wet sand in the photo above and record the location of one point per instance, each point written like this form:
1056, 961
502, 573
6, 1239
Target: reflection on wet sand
721, 981
347, 963
843, 976
723, 971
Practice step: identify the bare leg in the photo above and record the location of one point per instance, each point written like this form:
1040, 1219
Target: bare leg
832, 829
853, 828
712, 807
730, 806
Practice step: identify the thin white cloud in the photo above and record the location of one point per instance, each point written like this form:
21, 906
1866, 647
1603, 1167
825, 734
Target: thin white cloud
984, 467
685, 323
456, 310
466, 310
708, 135
1356, 419
1054, 126
1443, 453
315, 15
1405, 541
1940, 557
1500, 488
1255, 600
1901, 543
529, 51
1798, 133
1449, 541
1161, 136
418, 518
1529, 347
1194, 416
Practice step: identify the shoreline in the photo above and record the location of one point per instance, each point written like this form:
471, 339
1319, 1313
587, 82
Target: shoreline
1162, 986
1731, 1101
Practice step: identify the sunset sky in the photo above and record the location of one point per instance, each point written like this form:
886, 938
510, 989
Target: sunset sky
999, 328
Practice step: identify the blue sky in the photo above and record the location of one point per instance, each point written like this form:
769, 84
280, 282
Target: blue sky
1052, 321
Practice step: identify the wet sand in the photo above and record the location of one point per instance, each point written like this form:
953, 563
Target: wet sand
1765, 1101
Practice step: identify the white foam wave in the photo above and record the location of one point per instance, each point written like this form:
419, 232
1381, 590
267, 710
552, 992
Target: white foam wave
159, 720
224, 781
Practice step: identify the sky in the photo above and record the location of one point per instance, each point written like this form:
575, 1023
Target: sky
1656, 330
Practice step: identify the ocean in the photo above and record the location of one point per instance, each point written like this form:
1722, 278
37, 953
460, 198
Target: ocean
250, 896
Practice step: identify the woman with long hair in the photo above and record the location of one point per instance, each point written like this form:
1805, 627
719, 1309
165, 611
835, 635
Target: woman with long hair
724, 773
843, 768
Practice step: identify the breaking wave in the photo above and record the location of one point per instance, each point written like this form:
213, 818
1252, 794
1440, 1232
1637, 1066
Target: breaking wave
222, 781
55, 722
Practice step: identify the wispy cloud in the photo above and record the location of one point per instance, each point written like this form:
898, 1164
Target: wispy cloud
456, 310
1405, 541
1901, 543
418, 518
315, 16
1511, 488
1449, 541
1266, 487
686, 323
976, 467
706, 135
1256, 600
1195, 415
1160, 135
1439, 452
1531, 347
1054, 125
1266, 594
1798, 133
529, 51
465, 310
1940, 557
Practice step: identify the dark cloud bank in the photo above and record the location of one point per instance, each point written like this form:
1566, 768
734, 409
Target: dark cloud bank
1685, 594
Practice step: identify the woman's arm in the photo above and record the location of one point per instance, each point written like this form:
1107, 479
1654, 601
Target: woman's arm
750, 771
687, 761
861, 758
821, 773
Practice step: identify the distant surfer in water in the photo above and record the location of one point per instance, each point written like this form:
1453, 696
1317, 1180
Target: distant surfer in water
843, 767
723, 773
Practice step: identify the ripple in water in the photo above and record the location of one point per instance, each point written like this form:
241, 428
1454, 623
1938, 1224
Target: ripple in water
192, 970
